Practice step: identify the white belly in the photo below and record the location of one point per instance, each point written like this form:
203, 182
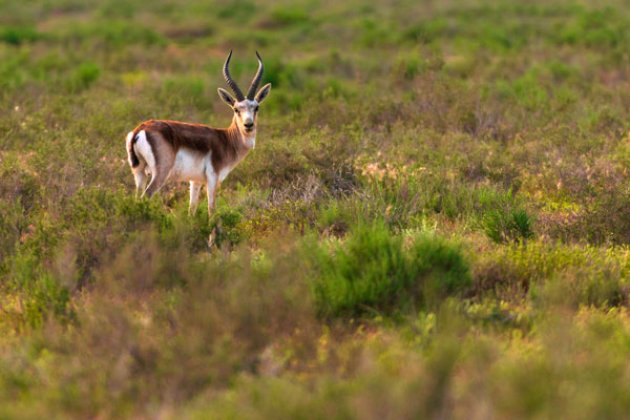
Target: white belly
191, 166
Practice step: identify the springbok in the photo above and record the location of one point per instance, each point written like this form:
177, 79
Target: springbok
197, 153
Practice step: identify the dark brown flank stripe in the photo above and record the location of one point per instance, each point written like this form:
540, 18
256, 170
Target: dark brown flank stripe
224, 144
153, 145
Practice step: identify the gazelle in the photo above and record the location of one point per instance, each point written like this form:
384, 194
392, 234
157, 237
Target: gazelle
197, 153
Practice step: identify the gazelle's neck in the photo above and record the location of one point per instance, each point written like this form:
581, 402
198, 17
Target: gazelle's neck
247, 140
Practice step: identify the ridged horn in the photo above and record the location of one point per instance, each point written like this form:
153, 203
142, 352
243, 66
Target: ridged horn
231, 83
257, 78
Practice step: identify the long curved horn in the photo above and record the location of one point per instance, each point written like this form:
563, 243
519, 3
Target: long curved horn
231, 83
257, 78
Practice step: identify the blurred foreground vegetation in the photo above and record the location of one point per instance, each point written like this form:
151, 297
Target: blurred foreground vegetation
434, 223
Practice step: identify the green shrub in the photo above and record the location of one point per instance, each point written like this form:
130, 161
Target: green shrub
19, 35
527, 91
507, 224
84, 76
440, 265
336, 217
155, 312
43, 295
45, 298
366, 273
594, 28
409, 65
227, 227
372, 271
570, 274
502, 217
601, 287
95, 208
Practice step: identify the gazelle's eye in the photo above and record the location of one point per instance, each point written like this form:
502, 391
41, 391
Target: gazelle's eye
256, 109
237, 111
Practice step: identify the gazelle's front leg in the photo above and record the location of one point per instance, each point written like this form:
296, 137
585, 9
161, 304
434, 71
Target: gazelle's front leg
212, 186
195, 189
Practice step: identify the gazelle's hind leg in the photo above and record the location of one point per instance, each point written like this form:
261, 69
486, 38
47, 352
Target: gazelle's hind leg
195, 189
140, 177
158, 179
159, 169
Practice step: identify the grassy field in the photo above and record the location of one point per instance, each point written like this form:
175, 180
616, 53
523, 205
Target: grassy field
435, 222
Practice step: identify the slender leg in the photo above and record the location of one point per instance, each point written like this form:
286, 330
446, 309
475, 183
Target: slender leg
157, 181
212, 186
160, 174
195, 189
140, 177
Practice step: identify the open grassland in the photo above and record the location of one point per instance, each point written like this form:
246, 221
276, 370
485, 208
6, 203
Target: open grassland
434, 223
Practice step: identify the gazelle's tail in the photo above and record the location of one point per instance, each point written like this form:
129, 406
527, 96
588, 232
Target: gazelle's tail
132, 137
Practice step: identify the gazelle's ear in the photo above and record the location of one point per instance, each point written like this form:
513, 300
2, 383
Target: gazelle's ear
263, 92
226, 97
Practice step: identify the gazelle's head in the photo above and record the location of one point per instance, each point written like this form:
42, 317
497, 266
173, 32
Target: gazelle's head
245, 107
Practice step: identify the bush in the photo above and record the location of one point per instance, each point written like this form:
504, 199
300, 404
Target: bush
506, 225
502, 217
582, 286
19, 35
142, 336
227, 227
556, 273
84, 76
45, 298
440, 265
373, 271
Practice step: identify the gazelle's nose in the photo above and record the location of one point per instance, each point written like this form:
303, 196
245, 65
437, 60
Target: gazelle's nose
249, 124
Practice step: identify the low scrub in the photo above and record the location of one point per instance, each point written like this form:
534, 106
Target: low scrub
556, 274
374, 270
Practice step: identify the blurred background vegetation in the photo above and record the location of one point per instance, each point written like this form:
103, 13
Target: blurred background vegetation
434, 223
